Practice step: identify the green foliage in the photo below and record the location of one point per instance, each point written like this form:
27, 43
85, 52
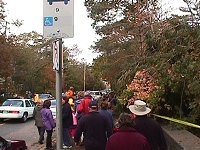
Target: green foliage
168, 48
125, 96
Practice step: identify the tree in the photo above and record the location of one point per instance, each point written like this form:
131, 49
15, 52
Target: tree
123, 26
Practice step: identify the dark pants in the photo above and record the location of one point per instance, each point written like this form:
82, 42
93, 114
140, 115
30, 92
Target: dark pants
49, 138
66, 137
41, 132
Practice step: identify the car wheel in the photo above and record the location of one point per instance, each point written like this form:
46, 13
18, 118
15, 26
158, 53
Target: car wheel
1, 120
24, 118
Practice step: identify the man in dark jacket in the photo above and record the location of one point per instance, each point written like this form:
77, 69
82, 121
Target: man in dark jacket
38, 121
67, 121
95, 129
149, 127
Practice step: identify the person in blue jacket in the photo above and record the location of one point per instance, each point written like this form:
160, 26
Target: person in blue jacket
105, 112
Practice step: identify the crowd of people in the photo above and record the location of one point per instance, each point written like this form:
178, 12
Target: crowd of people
90, 123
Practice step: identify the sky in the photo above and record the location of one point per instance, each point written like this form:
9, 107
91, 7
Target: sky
31, 12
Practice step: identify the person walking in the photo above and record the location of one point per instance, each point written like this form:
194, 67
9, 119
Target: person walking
70, 92
126, 137
75, 122
48, 122
77, 103
95, 129
84, 105
107, 113
38, 121
147, 126
67, 122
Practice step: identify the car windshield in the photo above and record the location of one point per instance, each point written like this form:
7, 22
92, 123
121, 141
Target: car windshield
95, 93
53, 103
44, 96
14, 103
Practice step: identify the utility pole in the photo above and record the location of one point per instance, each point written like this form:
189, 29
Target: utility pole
58, 23
59, 131
84, 70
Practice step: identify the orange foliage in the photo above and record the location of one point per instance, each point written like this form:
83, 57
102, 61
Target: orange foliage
143, 85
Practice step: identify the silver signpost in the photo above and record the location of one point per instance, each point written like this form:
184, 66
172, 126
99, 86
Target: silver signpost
58, 23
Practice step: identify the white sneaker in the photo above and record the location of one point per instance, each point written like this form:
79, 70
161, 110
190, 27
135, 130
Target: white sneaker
67, 147
64, 147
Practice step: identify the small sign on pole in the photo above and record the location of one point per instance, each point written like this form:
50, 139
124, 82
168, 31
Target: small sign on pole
58, 18
56, 55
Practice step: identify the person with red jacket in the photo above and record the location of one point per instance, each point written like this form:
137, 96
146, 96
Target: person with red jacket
126, 137
84, 105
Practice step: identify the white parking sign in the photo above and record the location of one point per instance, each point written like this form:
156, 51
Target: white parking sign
58, 18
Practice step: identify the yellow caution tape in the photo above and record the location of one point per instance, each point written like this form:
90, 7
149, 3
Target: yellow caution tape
178, 121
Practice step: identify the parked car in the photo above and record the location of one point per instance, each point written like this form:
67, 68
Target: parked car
12, 144
17, 109
53, 107
42, 97
95, 94
45, 96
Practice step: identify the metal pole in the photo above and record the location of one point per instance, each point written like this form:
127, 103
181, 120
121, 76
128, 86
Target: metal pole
59, 131
84, 69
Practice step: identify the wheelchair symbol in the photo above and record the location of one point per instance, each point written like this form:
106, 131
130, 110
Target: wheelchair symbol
48, 21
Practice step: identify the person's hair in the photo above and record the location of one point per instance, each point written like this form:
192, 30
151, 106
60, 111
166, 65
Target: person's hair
104, 105
125, 121
39, 102
47, 103
71, 88
80, 94
66, 99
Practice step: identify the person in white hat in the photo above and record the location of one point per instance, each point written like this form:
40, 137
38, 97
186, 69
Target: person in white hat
146, 125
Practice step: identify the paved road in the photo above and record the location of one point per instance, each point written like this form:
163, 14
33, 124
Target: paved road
14, 129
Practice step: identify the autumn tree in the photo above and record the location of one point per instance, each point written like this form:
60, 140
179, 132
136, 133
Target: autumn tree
134, 37
123, 26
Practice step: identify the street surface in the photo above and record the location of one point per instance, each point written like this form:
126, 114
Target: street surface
14, 129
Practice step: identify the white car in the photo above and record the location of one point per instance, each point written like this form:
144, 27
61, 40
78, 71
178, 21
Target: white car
53, 107
17, 109
95, 94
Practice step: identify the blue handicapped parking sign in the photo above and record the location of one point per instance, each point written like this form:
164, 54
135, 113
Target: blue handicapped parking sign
48, 21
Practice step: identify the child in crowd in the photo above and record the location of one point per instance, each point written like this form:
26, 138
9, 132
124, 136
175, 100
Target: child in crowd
73, 127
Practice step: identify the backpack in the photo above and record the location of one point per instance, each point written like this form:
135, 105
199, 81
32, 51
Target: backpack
77, 103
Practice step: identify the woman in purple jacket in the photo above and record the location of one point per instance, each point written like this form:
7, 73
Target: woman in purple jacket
127, 138
48, 122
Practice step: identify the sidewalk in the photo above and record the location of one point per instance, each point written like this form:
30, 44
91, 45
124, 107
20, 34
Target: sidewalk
37, 146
